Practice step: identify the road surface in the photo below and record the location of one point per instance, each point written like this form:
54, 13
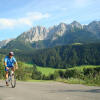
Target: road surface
49, 91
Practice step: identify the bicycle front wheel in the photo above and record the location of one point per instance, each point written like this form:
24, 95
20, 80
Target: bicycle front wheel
13, 81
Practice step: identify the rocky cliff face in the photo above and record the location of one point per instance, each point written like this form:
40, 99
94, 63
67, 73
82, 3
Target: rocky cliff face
41, 33
94, 27
57, 31
35, 34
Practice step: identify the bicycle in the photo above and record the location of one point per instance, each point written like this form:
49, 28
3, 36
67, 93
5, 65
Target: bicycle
11, 78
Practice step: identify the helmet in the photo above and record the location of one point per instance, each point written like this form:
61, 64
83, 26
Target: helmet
11, 53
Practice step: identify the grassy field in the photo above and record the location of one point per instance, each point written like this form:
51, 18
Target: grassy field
44, 70
47, 70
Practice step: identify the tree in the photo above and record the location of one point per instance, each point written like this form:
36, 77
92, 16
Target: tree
36, 74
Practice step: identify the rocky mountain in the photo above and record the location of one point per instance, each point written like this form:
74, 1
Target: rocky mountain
40, 37
41, 33
34, 34
94, 27
4, 42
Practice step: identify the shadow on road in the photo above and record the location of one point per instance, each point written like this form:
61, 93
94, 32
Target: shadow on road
2, 86
92, 91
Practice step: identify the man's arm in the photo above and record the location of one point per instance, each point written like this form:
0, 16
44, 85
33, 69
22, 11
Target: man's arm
5, 64
16, 65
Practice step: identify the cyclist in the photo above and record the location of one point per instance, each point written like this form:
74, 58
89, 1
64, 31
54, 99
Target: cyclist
10, 62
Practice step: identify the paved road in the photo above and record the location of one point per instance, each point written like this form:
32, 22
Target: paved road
49, 91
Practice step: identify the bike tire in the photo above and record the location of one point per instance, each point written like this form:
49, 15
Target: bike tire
13, 81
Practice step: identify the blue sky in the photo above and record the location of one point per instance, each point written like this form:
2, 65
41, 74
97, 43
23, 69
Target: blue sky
17, 16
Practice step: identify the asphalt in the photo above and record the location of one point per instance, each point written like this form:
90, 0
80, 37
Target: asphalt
48, 91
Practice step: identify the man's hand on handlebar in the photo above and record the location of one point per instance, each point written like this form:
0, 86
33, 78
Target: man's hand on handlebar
16, 67
7, 68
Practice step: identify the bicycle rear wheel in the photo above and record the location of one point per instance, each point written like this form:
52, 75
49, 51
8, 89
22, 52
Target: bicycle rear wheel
13, 81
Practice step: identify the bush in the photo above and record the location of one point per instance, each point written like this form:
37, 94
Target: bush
61, 73
2, 72
22, 72
71, 73
36, 74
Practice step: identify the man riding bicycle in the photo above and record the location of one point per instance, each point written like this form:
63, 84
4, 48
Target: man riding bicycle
10, 62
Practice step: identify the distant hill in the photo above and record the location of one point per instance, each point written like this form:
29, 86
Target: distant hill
62, 34
60, 56
68, 55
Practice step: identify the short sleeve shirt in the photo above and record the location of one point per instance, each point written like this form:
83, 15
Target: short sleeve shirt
10, 61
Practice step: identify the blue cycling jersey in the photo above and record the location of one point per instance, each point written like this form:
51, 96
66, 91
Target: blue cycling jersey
10, 61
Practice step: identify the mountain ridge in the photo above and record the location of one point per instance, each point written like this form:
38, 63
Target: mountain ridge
41, 37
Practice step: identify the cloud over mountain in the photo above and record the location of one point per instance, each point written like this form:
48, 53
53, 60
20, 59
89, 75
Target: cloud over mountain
26, 20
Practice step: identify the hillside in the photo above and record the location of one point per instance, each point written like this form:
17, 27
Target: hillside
61, 56
68, 56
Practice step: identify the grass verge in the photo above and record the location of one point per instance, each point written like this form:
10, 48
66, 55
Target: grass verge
76, 81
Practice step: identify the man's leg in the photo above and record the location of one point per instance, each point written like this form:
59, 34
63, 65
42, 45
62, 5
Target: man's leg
6, 75
13, 69
7, 78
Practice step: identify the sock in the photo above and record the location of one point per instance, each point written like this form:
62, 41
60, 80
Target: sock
6, 80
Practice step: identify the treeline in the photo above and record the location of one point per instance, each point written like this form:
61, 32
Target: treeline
61, 56
64, 56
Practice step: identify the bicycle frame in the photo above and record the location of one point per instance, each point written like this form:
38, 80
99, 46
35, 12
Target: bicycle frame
11, 78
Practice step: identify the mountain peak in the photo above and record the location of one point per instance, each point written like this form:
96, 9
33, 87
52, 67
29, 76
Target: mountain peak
38, 27
76, 24
95, 23
62, 23
94, 27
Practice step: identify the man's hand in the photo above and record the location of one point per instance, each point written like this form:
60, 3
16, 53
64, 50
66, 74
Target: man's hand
16, 67
7, 68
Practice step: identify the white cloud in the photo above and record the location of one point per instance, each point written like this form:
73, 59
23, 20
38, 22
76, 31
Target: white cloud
27, 20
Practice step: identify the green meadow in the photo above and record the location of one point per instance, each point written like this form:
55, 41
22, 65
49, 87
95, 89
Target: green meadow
47, 70
44, 70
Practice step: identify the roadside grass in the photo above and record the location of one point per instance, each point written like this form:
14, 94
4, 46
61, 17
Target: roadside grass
39, 80
30, 80
77, 81
88, 80
71, 81
82, 67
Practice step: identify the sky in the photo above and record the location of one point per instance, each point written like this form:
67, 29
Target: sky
18, 16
